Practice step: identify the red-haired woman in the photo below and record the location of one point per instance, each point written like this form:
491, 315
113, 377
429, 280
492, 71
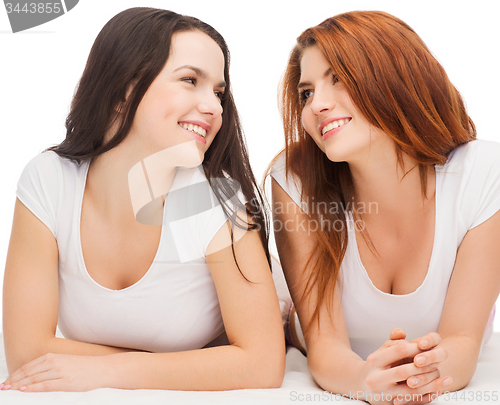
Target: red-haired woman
386, 212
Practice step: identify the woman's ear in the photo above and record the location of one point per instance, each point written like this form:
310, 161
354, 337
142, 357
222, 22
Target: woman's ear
121, 104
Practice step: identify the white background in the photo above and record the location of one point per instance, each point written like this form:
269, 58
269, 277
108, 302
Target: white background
40, 68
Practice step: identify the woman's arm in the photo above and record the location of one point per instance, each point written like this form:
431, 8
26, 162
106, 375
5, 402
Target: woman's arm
254, 359
334, 366
473, 289
31, 295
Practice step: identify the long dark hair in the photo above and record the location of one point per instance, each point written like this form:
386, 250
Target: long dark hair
133, 47
400, 88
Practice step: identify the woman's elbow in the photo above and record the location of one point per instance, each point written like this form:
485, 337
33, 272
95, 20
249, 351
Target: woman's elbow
275, 372
269, 370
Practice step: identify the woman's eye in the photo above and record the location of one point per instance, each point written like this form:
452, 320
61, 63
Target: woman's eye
219, 95
191, 80
305, 94
335, 79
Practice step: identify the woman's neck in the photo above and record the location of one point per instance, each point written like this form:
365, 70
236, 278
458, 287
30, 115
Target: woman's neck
128, 183
118, 186
392, 189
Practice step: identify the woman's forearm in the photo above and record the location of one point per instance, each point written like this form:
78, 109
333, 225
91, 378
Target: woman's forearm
67, 346
216, 368
59, 346
339, 370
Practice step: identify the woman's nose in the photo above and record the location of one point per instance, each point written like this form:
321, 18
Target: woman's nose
323, 101
210, 104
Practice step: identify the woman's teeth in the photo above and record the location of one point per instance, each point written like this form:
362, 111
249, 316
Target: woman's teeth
334, 124
194, 128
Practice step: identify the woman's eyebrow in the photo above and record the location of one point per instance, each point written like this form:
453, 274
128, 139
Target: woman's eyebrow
303, 84
201, 73
307, 84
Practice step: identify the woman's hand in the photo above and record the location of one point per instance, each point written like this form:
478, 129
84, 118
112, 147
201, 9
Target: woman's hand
387, 371
59, 372
382, 380
431, 354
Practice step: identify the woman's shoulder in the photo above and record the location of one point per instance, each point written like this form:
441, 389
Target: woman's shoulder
44, 160
475, 180
475, 153
288, 181
48, 175
44, 182
50, 163
278, 165
44, 167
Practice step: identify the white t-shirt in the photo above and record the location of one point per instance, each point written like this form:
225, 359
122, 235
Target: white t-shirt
467, 194
174, 306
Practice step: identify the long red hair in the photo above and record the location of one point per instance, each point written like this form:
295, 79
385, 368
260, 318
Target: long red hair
400, 88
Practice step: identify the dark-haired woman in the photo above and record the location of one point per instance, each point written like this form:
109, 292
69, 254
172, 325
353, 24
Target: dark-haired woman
131, 235
386, 213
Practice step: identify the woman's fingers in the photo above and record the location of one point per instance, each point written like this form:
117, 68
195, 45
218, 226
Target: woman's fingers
428, 341
397, 334
407, 371
38, 371
419, 380
44, 386
34, 379
28, 370
436, 355
424, 394
440, 384
20, 373
385, 356
29, 365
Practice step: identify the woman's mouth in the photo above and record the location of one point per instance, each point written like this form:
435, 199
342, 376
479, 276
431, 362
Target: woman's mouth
332, 127
194, 128
196, 131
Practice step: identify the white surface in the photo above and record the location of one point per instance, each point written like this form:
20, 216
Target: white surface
298, 387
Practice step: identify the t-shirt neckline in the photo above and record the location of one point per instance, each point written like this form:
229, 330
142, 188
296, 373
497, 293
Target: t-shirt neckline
80, 249
435, 247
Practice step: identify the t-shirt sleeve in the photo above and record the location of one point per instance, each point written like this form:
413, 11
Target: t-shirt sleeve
483, 186
195, 214
37, 188
292, 185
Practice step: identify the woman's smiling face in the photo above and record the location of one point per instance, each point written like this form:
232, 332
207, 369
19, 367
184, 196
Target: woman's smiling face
328, 113
183, 103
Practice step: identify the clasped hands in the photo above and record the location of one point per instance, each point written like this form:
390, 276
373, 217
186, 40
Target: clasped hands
402, 372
